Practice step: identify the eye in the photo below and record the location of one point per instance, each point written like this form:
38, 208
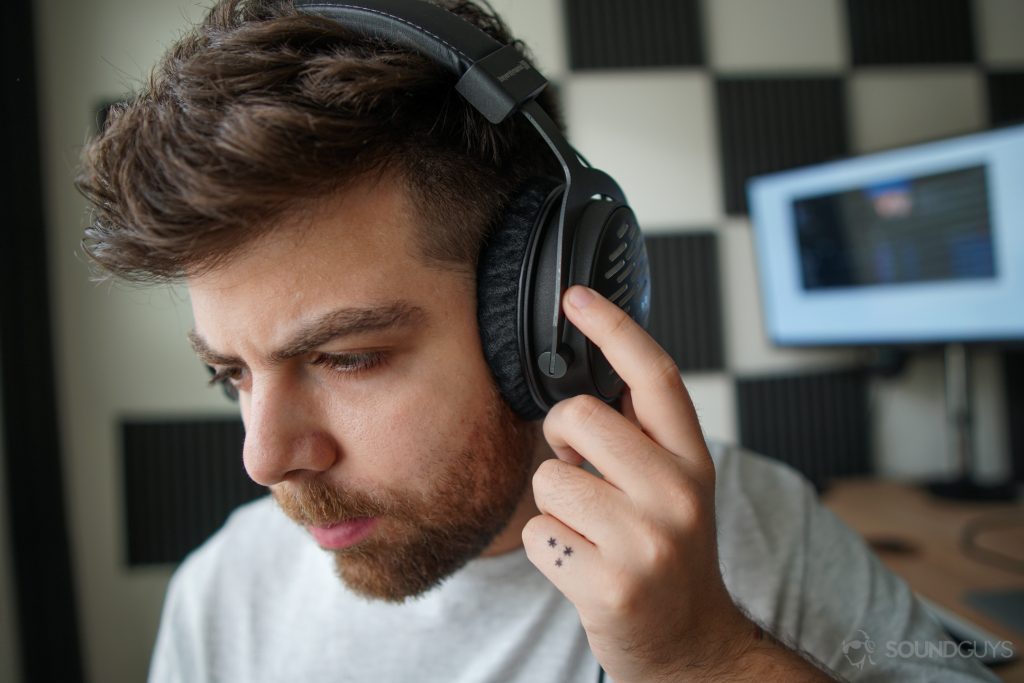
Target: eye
227, 379
350, 363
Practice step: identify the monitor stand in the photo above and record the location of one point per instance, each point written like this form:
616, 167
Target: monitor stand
961, 435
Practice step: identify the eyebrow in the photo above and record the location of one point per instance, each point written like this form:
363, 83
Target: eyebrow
343, 322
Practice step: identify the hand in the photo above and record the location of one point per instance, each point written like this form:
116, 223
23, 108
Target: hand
636, 552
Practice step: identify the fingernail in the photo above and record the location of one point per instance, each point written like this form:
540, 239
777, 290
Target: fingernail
581, 296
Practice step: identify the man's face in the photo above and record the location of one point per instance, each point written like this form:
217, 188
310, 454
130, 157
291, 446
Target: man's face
365, 394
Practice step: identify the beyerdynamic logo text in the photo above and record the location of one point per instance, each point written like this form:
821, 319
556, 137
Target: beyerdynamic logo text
521, 66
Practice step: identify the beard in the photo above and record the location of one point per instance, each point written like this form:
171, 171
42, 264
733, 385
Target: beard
421, 539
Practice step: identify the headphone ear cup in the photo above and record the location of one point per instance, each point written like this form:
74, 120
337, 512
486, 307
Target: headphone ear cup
608, 255
499, 270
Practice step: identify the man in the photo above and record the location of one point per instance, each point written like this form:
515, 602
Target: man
326, 196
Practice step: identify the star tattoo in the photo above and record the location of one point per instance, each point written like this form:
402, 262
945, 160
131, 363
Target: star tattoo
558, 562
552, 542
568, 551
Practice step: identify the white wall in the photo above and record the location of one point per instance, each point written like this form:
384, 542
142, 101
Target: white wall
118, 352
122, 352
656, 132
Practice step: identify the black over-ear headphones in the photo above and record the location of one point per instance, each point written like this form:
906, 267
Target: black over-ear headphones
553, 234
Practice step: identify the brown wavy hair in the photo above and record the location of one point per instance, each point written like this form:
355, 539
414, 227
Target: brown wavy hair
260, 109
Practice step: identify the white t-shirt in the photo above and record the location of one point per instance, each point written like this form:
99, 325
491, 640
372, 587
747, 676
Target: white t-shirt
260, 601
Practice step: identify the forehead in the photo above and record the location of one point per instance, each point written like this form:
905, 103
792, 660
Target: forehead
354, 248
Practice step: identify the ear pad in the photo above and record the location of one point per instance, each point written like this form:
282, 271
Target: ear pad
498, 272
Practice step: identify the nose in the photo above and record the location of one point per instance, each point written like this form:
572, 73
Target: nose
285, 434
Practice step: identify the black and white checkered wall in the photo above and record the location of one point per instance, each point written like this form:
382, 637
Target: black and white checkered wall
682, 101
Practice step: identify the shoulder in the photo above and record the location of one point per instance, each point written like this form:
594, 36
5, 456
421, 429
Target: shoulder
757, 494
218, 586
800, 571
764, 511
737, 467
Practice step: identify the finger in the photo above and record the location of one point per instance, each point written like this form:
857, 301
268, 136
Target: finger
627, 458
567, 454
589, 505
660, 400
569, 560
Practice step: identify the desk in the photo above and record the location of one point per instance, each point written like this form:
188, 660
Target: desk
938, 569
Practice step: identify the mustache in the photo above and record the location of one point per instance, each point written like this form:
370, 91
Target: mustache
317, 503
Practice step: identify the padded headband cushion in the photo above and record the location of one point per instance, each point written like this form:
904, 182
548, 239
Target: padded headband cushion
500, 263
422, 27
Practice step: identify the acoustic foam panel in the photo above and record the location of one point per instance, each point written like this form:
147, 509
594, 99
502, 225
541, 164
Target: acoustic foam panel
910, 31
686, 304
1006, 98
772, 124
616, 34
181, 480
817, 422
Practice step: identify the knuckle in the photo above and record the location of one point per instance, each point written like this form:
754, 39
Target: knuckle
708, 475
533, 527
699, 474
659, 551
540, 479
645, 455
619, 596
621, 323
546, 471
687, 504
682, 500
581, 409
557, 480
625, 594
550, 422
665, 371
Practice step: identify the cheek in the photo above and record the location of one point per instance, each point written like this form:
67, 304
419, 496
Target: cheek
425, 419
400, 436
408, 427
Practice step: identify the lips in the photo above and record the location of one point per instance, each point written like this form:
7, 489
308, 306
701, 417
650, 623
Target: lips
343, 534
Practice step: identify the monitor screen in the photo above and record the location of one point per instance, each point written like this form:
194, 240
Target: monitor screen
921, 244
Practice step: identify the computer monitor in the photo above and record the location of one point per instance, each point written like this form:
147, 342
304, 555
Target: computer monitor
923, 244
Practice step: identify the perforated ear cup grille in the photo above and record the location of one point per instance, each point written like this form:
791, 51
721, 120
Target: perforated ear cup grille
498, 272
622, 275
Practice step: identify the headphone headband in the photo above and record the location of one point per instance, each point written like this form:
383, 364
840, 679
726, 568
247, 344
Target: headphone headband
496, 79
